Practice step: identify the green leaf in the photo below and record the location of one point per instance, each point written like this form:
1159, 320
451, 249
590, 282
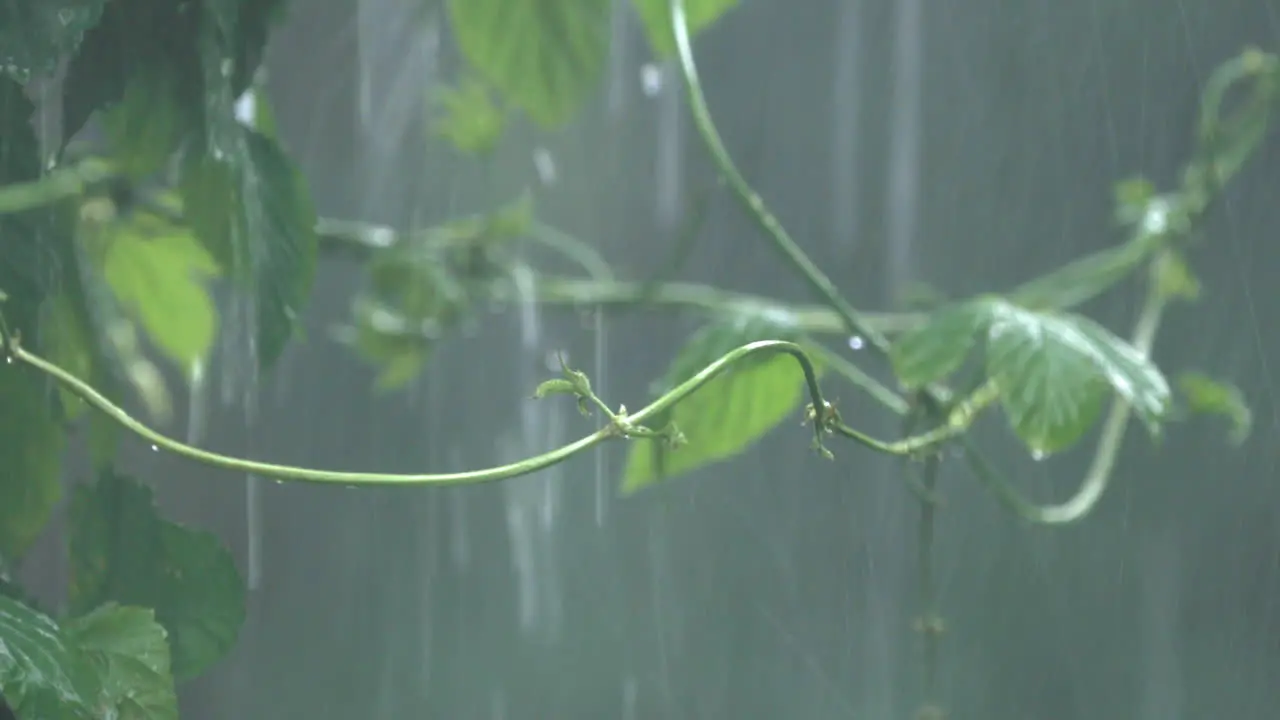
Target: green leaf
31, 444
1054, 370
1228, 141
1204, 395
36, 34
157, 272
730, 412
128, 649
1174, 278
468, 118
68, 345
147, 126
122, 551
543, 56
253, 212
699, 14
1132, 197
40, 675
940, 346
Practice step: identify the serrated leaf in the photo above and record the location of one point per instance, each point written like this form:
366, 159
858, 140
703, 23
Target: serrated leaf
122, 551
699, 15
730, 412
467, 117
940, 346
36, 34
1054, 372
252, 210
1202, 394
40, 675
544, 57
130, 653
158, 274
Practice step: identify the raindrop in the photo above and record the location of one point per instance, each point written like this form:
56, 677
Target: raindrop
545, 164
9, 360
155, 448
857, 343
1039, 455
651, 79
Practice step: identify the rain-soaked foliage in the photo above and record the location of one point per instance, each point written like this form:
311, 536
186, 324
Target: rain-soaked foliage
437, 266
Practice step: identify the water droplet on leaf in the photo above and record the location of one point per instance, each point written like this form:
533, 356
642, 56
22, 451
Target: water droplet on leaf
857, 343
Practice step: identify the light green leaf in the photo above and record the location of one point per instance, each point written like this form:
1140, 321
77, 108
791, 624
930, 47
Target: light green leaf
544, 57
1054, 370
1131, 198
36, 34
1174, 278
157, 272
251, 209
468, 118
699, 15
730, 412
40, 675
940, 346
122, 551
129, 651
1204, 395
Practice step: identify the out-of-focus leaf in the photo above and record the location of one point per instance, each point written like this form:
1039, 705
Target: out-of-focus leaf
1086, 278
386, 341
1131, 199
68, 345
1202, 394
544, 57
699, 15
1174, 278
730, 412
158, 272
468, 118
147, 125
122, 551
31, 444
36, 34
1054, 370
1227, 141
40, 675
128, 650
939, 347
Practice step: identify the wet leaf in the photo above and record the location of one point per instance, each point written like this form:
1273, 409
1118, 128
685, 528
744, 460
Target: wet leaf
543, 57
1204, 395
31, 444
729, 413
158, 273
129, 651
1054, 372
123, 551
940, 346
468, 118
41, 676
699, 15
68, 345
36, 34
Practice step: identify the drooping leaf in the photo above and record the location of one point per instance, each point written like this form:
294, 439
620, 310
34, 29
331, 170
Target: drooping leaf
1228, 139
468, 118
1054, 371
157, 272
129, 652
122, 551
699, 14
41, 676
544, 57
253, 212
730, 412
1202, 394
940, 346
36, 34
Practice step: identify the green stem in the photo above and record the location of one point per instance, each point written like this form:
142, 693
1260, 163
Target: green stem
61, 184
525, 467
930, 623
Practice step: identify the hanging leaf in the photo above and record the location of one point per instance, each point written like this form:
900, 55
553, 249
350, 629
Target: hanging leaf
1204, 395
699, 15
940, 346
41, 676
36, 34
1229, 140
544, 57
730, 412
122, 551
128, 650
468, 118
1054, 371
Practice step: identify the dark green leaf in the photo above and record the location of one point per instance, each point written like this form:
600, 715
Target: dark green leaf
253, 212
36, 34
544, 57
1054, 371
1204, 395
31, 443
699, 14
147, 126
129, 652
940, 346
730, 412
40, 675
122, 551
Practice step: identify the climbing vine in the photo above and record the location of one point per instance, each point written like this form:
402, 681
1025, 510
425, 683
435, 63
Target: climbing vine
112, 248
